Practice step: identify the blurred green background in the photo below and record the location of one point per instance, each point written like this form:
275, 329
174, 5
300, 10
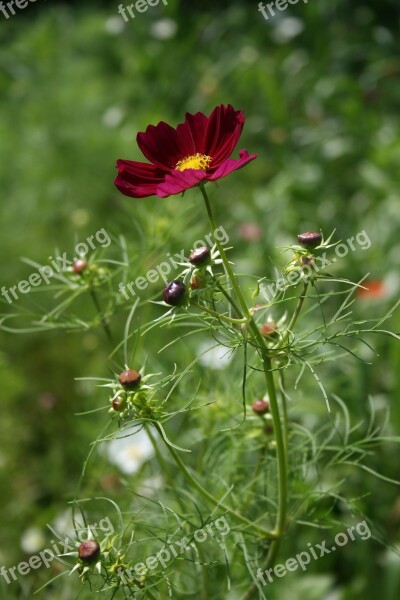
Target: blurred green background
320, 88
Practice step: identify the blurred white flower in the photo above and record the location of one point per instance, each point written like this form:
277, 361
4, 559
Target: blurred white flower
214, 357
286, 29
115, 25
129, 450
63, 524
164, 29
33, 540
249, 55
113, 116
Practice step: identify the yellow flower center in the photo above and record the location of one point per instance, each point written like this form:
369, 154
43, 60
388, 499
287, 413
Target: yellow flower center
200, 162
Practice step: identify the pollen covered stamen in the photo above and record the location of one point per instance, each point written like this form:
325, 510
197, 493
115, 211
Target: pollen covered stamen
200, 162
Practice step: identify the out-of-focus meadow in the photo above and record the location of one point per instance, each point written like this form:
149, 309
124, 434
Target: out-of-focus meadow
320, 88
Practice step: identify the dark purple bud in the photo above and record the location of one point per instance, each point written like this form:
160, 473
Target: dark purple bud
130, 379
200, 256
310, 239
174, 293
89, 551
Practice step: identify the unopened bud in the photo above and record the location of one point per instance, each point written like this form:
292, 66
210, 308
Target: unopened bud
130, 379
200, 256
196, 283
310, 239
89, 551
118, 404
174, 293
269, 329
260, 407
79, 266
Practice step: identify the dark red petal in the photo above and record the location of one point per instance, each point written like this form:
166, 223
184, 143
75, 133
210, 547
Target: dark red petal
192, 134
224, 128
179, 181
138, 180
160, 145
231, 164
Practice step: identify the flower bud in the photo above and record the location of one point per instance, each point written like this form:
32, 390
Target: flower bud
308, 261
130, 379
269, 329
200, 256
196, 283
89, 551
79, 266
310, 239
260, 407
118, 404
174, 293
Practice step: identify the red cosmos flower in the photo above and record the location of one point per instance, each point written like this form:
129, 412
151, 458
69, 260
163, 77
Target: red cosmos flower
196, 151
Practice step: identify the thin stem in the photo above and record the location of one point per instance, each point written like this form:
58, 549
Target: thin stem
104, 323
218, 315
197, 485
295, 315
224, 258
269, 378
284, 410
227, 296
167, 472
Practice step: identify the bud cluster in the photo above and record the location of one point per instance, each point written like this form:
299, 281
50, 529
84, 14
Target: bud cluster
132, 397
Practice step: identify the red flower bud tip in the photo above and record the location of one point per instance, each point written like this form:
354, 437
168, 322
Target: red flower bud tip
195, 283
260, 407
130, 379
268, 329
118, 404
79, 266
174, 293
89, 551
200, 256
308, 261
310, 239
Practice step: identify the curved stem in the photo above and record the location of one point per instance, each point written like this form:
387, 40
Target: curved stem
227, 296
104, 323
269, 378
197, 485
295, 315
169, 478
218, 315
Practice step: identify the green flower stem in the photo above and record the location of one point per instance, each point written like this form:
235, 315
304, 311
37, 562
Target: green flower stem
284, 410
197, 485
169, 478
269, 378
227, 296
104, 323
295, 316
219, 316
